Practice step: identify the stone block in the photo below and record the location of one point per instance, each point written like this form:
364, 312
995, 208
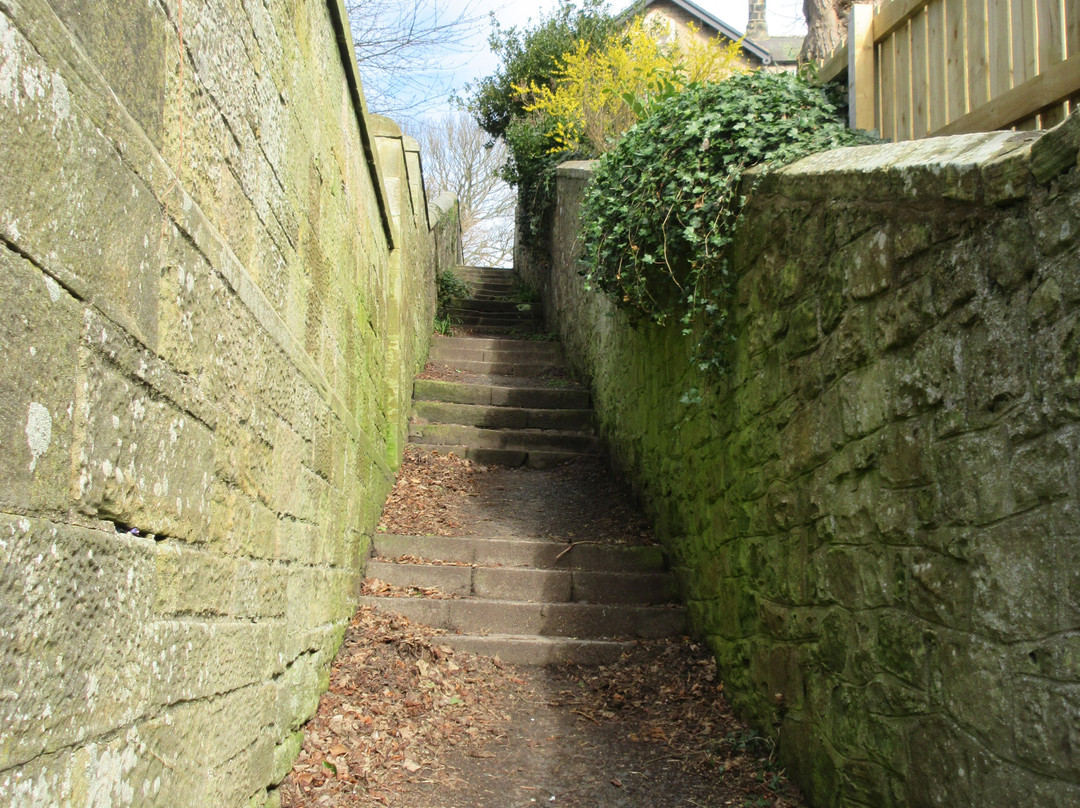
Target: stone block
76, 602
1012, 258
939, 587
1018, 582
906, 452
1042, 470
890, 697
195, 659
37, 394
1048, 736
83, 215
1002, 783
139, 460
977, 688
904, 315
865, 399
976, 468
869, 264
938, 764
197, 583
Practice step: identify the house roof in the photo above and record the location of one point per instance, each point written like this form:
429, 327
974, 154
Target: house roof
783, 49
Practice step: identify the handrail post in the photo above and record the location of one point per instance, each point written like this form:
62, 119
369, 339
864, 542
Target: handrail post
861, 78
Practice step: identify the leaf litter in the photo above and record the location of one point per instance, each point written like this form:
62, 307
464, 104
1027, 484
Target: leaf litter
411, 723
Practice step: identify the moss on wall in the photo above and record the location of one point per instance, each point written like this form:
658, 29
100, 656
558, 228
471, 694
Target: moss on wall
210, 326
875, 514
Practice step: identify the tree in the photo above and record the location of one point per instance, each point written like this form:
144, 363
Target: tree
402, 48
826, 26
460, 157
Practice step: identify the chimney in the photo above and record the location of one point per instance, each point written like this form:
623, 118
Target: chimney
756, 27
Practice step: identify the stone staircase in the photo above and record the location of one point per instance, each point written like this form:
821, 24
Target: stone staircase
530, 601
494, 305
527, 600
514, 405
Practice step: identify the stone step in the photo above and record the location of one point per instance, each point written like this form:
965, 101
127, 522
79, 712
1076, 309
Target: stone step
483, 291
527, 440
585, 620
492, 348
517, 649
493, 417
528, 584
515, 328
465, 317
466, 304
511, 458
520, 369
497, 274
539, 398
515, 552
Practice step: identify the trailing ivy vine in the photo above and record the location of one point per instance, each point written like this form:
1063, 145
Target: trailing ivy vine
659, 215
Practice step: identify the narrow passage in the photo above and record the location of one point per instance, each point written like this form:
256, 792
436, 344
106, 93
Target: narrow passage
519, 640
410, 722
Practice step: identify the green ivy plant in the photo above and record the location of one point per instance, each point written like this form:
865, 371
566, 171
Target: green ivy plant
659, 215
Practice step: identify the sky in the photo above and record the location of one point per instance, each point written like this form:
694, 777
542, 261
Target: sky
453, 68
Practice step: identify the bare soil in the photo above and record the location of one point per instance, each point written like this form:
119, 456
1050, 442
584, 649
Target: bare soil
409, 723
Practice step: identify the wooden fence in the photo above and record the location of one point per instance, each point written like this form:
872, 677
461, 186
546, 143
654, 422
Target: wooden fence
935, 67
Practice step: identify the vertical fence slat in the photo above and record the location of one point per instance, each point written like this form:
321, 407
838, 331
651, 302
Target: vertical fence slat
977, 74
861, 95
1072, 27
999, 35
902, 53
1051, 51
887, 89
938, 101
920, 88
955, 58
1025, 41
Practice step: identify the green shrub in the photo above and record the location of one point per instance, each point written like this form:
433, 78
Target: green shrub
531, 57
447, 287
659, 215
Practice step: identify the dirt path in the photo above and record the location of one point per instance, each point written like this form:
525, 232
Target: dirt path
409, 723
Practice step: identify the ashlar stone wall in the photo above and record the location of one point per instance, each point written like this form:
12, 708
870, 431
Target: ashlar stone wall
876, 514
212, 307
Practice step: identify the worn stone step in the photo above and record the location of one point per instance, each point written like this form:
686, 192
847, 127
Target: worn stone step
496, 348
511, 458
487, 274
500, 396
492, 417
505, 320
495, 287
590, 620
517, 649
521, 439
530, 585
520, 552
495, 306
510, 329
503, 368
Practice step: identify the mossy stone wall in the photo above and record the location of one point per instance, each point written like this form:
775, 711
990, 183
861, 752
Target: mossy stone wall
211, 317
875, 515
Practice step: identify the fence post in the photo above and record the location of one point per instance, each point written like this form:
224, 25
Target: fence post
861, 78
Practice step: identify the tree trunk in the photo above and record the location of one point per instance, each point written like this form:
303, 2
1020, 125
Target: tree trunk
826, 27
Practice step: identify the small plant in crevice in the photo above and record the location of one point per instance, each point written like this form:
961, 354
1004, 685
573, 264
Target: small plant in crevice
448, 286
659, 216
444, 326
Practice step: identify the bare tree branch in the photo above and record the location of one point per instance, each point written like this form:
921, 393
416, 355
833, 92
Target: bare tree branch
405, 51
459, 156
